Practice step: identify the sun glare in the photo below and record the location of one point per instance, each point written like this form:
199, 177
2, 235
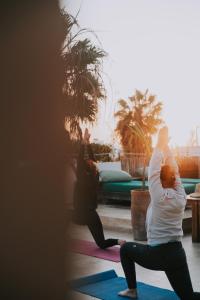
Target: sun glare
152, 46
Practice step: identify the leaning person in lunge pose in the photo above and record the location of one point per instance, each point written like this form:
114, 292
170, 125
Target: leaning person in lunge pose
164, 249
85, 195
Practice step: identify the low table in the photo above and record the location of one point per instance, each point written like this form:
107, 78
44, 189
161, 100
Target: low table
195, 203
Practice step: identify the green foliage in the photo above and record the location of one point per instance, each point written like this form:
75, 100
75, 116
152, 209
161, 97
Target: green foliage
138, 120
138, 116
83, 86
101, 151
143, 138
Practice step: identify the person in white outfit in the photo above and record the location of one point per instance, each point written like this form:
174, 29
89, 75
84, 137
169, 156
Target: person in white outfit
164, 217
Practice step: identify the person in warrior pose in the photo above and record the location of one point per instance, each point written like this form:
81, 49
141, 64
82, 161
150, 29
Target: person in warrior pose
85, 195
164, 250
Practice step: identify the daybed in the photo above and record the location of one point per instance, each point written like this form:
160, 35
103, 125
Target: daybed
117, 184
121, 190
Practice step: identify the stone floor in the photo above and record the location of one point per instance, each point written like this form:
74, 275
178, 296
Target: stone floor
86, 265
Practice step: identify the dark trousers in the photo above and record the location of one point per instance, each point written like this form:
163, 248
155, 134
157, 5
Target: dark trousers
93, 221
169, 258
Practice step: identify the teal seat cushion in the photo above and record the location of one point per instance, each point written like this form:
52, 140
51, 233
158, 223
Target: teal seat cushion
127, 186
190, 180
189, 187
122, 186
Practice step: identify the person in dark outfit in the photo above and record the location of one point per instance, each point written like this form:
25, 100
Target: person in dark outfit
164, 250
85, 195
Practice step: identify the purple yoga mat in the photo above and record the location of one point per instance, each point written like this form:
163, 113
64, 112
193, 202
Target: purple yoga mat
91, 249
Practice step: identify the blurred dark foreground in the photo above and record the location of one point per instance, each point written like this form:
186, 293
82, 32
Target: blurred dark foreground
32, 152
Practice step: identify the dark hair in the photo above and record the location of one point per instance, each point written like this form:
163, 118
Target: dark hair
167, 176
91, 167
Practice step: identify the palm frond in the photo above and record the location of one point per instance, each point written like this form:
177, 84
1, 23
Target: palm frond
83, 86
138, 116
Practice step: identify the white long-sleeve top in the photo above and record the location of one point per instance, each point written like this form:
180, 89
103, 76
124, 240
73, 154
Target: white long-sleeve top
167, 205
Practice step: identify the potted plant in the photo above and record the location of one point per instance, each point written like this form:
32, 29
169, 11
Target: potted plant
140, 198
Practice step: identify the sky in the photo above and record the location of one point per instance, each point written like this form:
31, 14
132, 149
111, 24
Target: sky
152, 44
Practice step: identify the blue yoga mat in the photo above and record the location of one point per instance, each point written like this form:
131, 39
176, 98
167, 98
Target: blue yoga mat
107, 284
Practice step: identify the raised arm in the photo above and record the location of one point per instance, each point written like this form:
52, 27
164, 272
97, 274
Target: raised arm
170, 160
155, 185
85, 149
88, 148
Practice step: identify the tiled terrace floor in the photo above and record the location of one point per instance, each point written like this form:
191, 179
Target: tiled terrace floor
86, 265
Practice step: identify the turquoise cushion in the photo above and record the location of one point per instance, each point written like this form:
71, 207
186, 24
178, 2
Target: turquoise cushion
137, 184
114, 175
122, 186
189, 188
190, 180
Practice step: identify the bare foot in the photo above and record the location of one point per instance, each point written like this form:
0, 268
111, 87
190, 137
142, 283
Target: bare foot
129, 293
121, 242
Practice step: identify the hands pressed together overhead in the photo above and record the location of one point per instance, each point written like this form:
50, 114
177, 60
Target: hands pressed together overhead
163, 139
86, 137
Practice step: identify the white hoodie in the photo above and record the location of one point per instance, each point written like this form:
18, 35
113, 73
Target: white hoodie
166, 209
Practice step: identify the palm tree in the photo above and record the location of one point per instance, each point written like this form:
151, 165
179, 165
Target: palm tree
138, 120
83, 85
142, 110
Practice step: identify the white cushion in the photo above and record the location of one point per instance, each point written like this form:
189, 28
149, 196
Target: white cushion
114, 176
